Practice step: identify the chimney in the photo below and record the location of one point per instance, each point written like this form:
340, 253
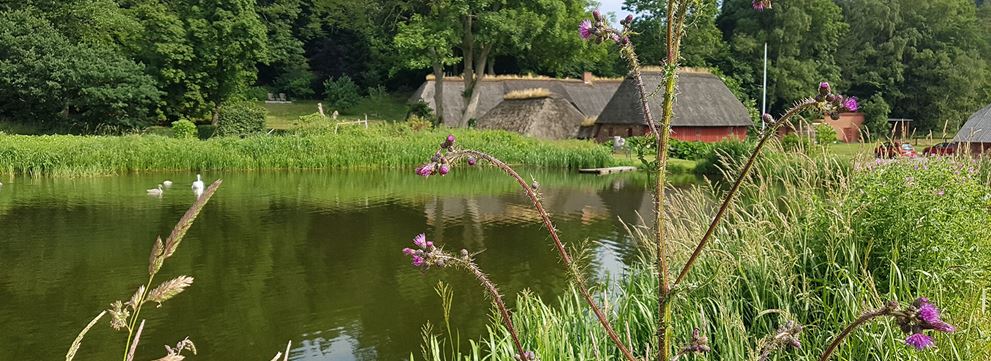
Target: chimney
587, 77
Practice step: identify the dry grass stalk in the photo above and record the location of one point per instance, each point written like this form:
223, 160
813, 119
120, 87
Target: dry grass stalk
79, 339
169, 289
523, 94
283, 356
175, 354
186, 221
134, 344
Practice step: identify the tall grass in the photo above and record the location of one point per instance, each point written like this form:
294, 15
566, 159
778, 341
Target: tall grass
383, 146
797, 246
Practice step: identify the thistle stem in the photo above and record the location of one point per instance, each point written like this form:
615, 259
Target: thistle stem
849, 329
736, 186
496, 298
568, 262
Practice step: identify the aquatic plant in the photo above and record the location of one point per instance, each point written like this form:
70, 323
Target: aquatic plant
125, 315
824, 102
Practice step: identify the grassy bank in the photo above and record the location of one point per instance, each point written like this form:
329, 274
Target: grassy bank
389, 109
382, 146
811, 240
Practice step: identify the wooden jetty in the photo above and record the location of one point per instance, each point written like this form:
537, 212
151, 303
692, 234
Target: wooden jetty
609, 170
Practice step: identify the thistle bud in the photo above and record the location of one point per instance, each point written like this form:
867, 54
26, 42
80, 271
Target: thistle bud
629, 19
767, 118
444, 169
597, 15
472, 161
824, 88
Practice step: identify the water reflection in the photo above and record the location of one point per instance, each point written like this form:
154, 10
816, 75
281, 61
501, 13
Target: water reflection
316, 262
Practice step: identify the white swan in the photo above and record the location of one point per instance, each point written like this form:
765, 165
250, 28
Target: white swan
198, 184
167, 184
156, 191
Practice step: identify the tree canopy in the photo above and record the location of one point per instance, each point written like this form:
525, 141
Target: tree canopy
133, 63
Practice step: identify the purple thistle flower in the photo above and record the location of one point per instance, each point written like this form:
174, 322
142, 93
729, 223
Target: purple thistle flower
450, 138
824, 89
408, 251
472, 161
850, 104
919, 341
615, 38
943, 327
585, 29
419, 261
420, 240
444, 169
429, 244
929, 313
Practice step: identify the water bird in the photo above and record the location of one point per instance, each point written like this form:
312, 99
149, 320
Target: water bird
167, 184
198, 184
156, 191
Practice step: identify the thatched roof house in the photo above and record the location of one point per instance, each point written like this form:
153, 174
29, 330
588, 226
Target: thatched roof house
536, 113
705, 110
588, 95
977, 131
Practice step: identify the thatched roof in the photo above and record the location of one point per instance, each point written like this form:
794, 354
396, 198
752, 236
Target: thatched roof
703, 101
550, 117
590, 99
977, 129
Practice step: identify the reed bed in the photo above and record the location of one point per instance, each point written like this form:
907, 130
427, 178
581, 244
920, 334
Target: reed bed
802, 243
382, 146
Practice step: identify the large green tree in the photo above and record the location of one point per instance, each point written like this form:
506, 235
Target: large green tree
702, 43
427, 41
802, 38
46, 77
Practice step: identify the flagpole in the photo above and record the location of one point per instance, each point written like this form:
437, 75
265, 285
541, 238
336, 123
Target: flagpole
763, 101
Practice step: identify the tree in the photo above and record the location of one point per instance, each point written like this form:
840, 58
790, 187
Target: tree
702, 42
427, 40
802, 38
228, 40
46, 77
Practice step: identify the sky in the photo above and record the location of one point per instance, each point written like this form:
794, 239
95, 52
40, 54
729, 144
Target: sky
613, 6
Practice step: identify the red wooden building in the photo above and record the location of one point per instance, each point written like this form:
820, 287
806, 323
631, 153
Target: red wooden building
706, 110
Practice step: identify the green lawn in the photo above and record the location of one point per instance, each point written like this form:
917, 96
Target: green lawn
389, 109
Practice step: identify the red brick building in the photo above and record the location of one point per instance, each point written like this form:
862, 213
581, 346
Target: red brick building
847, 127
706, 110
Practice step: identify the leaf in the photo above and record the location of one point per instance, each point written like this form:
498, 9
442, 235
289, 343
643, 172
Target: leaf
79, 339
169, 289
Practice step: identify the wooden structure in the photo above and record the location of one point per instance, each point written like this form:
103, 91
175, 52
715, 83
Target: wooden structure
706, 110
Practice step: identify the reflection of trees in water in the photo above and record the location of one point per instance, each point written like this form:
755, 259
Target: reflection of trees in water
276, 263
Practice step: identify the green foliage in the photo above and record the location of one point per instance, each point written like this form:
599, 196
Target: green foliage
241, 118
48, 78
825, 134
379, 146
930, 219
296, 81
876, 111
341, 93
702, 42
793, 143
417, 123
688, 150
723, 157
184, 129
800, 244
420, 109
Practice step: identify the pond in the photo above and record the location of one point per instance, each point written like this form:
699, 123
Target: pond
310, 257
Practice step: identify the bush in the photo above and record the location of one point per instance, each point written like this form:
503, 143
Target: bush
241, 118
724, 156
825, 134
687, 150
795, 143
297, 81
377, 92
341, 93
184, 129
417, 124
259, 93
206, 131
876, 111
420, 109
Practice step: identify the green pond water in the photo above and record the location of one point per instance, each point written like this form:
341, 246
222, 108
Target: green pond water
310, 257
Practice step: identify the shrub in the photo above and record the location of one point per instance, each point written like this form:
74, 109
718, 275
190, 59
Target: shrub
420, 109
795, 143
687, 150
206, 131
184, 129
241, 118
825, 134
723, 156
297, 81
377, 92
417, 123
341, 93
259, 93
876, 111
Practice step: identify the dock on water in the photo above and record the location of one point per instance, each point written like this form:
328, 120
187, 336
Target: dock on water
608, 170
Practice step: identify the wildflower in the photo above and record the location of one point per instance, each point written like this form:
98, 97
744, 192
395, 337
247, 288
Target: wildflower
450, 139
760, 5
425, 170
420, 240
444, 169
824, 88
418, 261
472, 161
929, 315
585, 29
919, 341
850, 104
940, 192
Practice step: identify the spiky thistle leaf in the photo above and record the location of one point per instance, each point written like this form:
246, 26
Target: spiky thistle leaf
169, 289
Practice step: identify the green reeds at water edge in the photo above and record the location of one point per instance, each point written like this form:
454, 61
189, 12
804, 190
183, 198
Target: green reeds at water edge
809, 240
381, 146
